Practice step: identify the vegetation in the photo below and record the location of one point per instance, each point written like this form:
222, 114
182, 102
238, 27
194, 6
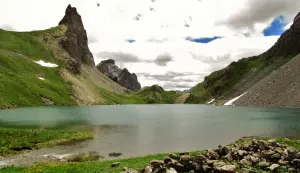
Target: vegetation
85, 157
135, 163
19, 74
243, 73
15, 140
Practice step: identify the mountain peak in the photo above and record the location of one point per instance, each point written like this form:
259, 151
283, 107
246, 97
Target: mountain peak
75, 41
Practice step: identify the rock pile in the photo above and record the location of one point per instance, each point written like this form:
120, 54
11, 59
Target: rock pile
256, 155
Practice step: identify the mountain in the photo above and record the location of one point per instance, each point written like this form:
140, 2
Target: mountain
56, 67
122, 77
238, 77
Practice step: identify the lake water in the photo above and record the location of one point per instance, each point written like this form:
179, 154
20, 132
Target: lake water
142, 129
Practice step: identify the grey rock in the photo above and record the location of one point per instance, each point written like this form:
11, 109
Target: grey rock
156, 164
211, 154
199, 159
273, 167
246, 162
115, 164
244, 170
174, 156
242, 153
122, 77
185, 159
167, 160
75, 41
227, 169
115, 154
148, 169
263, 164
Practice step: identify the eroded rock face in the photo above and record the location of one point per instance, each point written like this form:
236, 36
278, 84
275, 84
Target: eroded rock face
123, 77
75, 41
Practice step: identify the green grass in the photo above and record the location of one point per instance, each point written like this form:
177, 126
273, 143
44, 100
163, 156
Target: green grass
104, 166
20, 86
13, 141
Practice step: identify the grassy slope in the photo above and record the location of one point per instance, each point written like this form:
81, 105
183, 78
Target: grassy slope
234, 79
20, 85
15, 140
135, 163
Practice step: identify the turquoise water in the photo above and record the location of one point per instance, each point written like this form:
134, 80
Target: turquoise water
141, 129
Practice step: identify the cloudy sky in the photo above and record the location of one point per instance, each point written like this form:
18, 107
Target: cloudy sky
173, 43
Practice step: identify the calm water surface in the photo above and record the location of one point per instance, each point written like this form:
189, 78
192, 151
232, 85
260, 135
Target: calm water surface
142, 129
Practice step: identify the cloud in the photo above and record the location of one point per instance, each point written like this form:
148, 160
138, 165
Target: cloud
92, 39
163, 59
119, 57
7, 27
177, 86
130, 40
261, 11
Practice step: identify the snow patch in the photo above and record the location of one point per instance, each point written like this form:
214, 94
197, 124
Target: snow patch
210, 102
45, 64
41, 78
230, 102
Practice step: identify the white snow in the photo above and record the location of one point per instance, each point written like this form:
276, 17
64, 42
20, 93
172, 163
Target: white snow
41, 78
46, 64
58, 156
210, 102
230, 102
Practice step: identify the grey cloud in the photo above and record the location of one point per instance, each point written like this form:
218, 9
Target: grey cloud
171, 76
172, 86
215, 63
152, 40
260, 11
7, 27
163, 59
119, 57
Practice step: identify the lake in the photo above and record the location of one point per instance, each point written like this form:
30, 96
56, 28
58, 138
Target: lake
142, 129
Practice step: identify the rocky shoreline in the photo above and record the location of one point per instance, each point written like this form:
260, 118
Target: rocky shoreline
247, 155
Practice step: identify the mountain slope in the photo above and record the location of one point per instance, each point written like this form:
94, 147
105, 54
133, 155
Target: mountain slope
238, 77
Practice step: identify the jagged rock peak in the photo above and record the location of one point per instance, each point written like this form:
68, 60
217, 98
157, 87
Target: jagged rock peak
75, 41
122, 77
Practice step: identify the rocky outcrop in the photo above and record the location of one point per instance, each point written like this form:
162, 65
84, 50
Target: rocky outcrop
246, 156
123, 77
75, 41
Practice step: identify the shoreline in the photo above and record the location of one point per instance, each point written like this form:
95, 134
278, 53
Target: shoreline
268, 159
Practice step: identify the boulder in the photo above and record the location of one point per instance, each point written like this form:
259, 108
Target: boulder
156, 164
115, 164
211, 154
226, 169
174, 156
273, 167
245, 170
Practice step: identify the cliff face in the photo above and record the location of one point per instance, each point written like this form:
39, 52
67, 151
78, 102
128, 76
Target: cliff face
75, 41
123, 77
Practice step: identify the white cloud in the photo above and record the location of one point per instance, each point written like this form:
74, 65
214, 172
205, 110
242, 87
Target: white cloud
157, 32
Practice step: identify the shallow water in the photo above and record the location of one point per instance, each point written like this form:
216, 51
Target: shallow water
142, 129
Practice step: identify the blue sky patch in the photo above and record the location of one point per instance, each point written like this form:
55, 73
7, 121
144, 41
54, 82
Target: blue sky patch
203, 39
130, 41
276, 27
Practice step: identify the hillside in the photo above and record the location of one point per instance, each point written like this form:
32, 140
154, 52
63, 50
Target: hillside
238, 77
47, 67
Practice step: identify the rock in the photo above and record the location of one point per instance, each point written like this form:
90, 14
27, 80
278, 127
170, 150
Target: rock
115, 164
227, 169
177, 166
275, 157
283, 163
244, 170
156, 164
292, 170
226, 150
273, 167
75, 41
171, 170
182, 153
185, 159
199, 159
211, 154
122, 77
263, 164
254, 160
167, 160
272, 142
218, 164
114, 154
242, 153
297, 156
296, 162
269, 153
246, 162
207, 168
148, 169
175, 157
130, 171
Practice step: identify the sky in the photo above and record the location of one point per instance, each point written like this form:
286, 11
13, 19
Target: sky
174, 44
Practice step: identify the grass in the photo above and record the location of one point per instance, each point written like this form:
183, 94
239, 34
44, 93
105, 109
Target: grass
85, 157
13, 141
20, 85
104, 166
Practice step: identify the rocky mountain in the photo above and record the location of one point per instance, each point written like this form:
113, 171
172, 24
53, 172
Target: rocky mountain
75, 41
238, 77
123, 77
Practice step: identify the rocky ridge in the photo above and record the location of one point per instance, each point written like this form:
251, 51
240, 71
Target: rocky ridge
122, 77
243, 157
75, 41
